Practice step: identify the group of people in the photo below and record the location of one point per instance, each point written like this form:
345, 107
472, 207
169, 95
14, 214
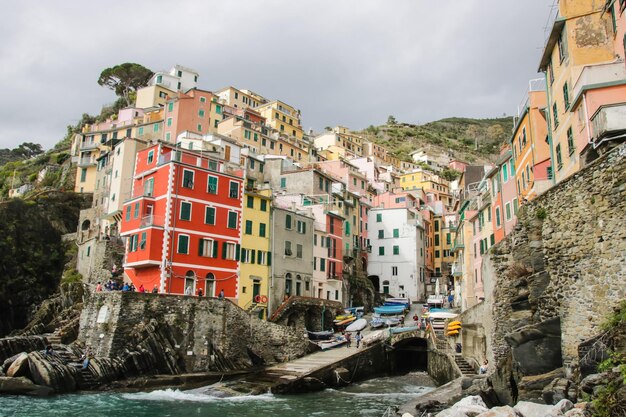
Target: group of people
421, 323
348, 336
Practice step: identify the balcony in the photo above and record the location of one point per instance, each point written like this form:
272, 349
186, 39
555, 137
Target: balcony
458, 269
86, 162
609, 121
152, 220
143, 191
593, 76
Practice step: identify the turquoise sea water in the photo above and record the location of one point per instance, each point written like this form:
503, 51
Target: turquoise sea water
369, 398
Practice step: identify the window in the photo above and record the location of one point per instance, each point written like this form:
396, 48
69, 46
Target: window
185, 211
301, 227
381, 250
261, 257
515, 206
492, 239
396, 232
551, 72
381, 234
229, 251
507, 211
209, 215
248, 227
482, 247
150, 156
232, 220
437, 254
140, 131
169, 121
170, 106
555, 114
136, 213
155, 127
212, 185
262, 228
199, 127
299, 251
396, 250
263, 205
288, 248
436, 225
128, 208
233, 191
562, 43
288, 222
559, 159
250, 202
394, 271
83, 174
207, 248
202, 99
565, 96
379, 217
498, 221
183, 244
570, 142
187, 179
200, 113
322, 264
283, 182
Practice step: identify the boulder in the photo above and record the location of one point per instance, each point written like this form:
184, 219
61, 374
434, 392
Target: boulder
528, 409
52, 373
504, 411
563, 406
575, 412
467, 407
557, 390
19, 367
537, 347
588, 383
22, 386
531, 387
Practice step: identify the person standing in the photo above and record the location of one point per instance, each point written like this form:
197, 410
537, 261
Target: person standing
155, 290
348, 337
221, 295
99, 287
358, 339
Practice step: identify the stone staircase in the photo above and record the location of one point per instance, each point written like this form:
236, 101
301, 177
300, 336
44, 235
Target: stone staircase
464, 366
53, 338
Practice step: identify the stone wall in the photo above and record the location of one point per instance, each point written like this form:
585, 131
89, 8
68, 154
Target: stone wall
553, 281
476, 322
441, 367
185, 334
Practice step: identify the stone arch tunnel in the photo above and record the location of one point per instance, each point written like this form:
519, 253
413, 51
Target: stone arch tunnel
408, 354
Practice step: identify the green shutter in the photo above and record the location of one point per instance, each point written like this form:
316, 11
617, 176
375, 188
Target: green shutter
215, 245
209, 215
269, 258
252, 256
248, 227
224, 248
185, 211
303, 227
237, 250
200, 246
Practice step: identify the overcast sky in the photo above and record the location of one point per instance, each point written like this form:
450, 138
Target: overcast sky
341, 62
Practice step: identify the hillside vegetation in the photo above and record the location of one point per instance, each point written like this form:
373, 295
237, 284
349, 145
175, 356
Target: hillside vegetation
470, 140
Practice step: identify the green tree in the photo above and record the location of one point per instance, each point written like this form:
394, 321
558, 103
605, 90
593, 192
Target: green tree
125, 79
450, 174
391, 120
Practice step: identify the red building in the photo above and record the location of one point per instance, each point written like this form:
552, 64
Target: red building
183, 223
334, 229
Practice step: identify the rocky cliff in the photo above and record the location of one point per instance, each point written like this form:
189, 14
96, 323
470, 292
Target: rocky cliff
553, 282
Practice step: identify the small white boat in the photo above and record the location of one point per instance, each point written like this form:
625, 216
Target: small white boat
377, 322
356, 326
332, 343
392, 321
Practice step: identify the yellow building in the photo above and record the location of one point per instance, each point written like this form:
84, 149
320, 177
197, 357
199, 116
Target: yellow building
443, 233
256, 259
432, 184
282, 117
240, 99
579, 37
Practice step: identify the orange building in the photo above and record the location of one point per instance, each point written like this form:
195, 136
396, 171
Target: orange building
183, 223
529, 144
195, 111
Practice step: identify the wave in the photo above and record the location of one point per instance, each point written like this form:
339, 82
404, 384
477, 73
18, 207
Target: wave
178, 395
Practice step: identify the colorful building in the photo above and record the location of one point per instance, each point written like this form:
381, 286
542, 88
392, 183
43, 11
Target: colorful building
194, 111
529, 144
580, 39
256, 251
282, 117
183, 222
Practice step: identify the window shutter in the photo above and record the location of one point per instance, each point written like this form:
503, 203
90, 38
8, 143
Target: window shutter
269, 258
303, 227
224, 249
252, 256
237, 250
200, 246
215, 248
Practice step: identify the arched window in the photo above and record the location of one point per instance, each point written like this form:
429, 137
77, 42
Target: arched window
288, 284
209, 285
190, 283
85, 225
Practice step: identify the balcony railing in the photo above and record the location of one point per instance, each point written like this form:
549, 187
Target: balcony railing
84, 146
152, 220
85, 162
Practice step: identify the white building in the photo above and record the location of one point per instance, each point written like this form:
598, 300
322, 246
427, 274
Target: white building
178, 78
398, 253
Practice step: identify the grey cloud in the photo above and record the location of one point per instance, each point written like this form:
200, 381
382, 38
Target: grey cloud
342, 62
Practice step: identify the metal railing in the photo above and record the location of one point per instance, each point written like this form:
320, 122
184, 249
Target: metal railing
152, 220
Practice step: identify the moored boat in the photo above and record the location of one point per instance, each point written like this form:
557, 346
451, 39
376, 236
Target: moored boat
357, 325
323, 335
388, 310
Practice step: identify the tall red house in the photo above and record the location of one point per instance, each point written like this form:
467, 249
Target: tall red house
183, 223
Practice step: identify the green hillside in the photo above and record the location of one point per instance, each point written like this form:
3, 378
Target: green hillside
471, 140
